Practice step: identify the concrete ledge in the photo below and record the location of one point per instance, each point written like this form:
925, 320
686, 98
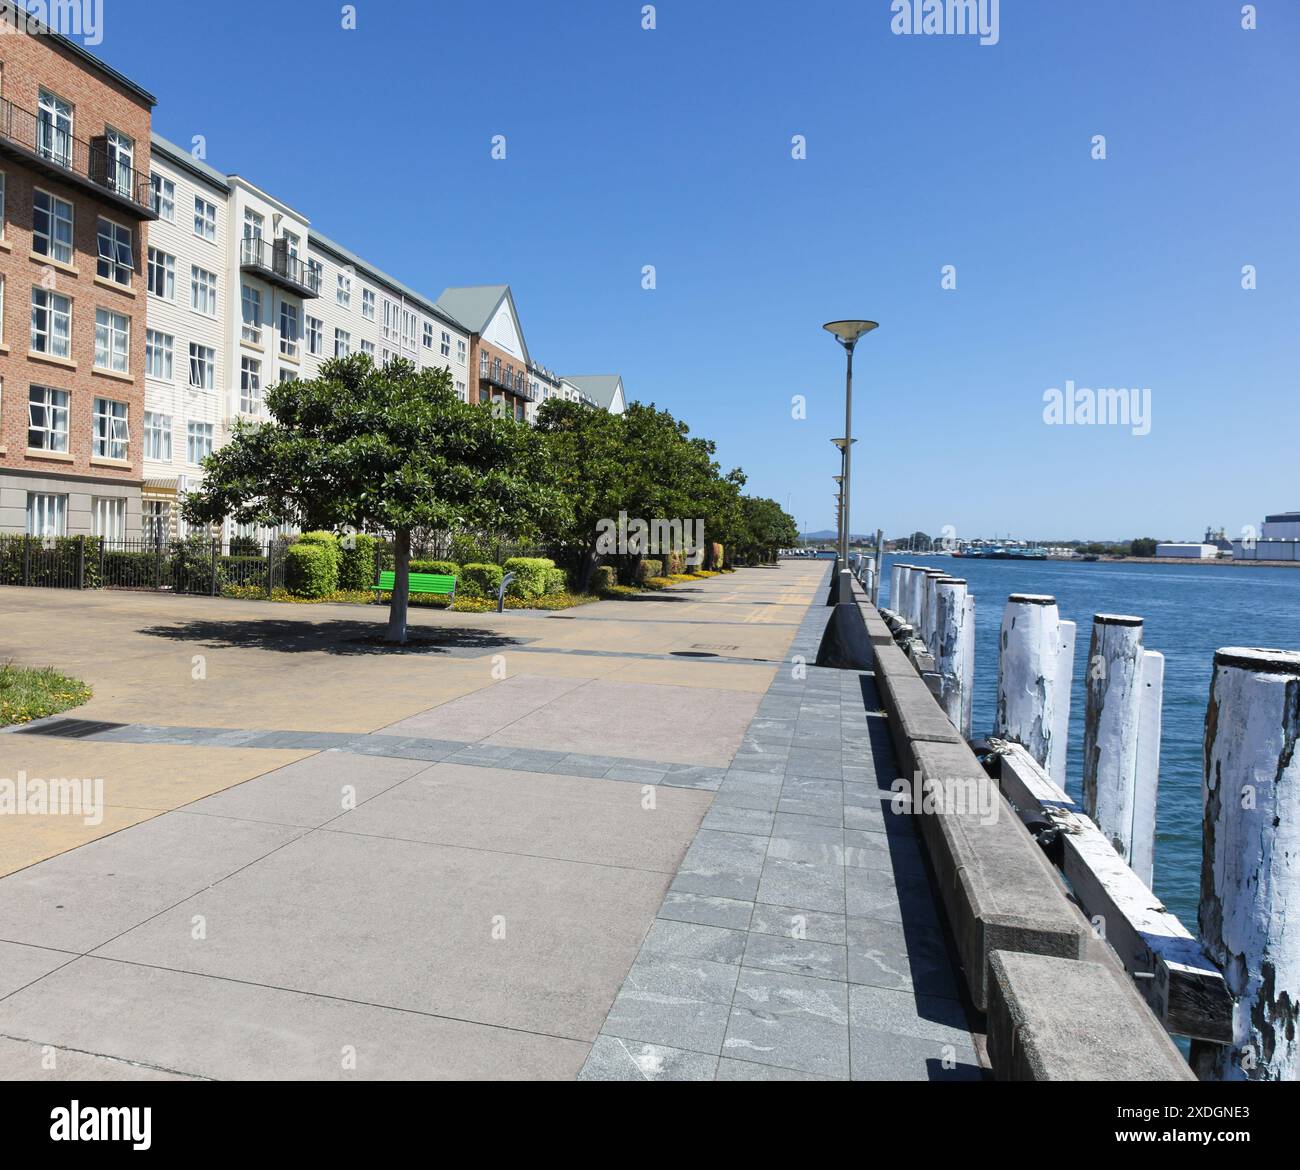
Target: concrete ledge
914, 716
877, 627
1052, 1019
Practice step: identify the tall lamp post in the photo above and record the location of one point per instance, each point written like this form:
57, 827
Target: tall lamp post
845, 643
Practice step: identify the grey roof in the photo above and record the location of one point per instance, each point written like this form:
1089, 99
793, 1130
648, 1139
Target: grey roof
183, 158
600, 387
9, 14
381, 277
476, 305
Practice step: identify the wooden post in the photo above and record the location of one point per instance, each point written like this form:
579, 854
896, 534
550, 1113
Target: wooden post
1034, 671
1119, 758
950, 646
895, 587
931, 619
966, 667
1250, 878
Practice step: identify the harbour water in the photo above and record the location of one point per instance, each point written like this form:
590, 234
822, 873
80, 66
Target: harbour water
1190, 611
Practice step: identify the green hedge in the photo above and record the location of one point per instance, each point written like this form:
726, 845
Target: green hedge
356, 561
648, 568
437, 568
604, 578
311, 566
530, 576
557, 581
481, 581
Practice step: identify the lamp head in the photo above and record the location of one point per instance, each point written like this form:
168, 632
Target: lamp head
847, 333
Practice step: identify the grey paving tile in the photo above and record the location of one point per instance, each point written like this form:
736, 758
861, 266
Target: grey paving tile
803, 827
811, 806
798, 956
875, 893
792, 1021
797, 883
680, 1003
681, 906
885, 1056
728, 818
904, 958
722, 865
693, 940
635, 775
730, 1069
791, 922
881, 1009
615, 1059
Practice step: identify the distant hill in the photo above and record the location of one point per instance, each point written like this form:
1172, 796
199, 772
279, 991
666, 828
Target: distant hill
829, 534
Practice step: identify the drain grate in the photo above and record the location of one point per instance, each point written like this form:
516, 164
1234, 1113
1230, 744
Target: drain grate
713, 646
71, 728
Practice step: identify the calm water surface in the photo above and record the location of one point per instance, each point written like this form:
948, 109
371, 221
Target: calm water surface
1190, 612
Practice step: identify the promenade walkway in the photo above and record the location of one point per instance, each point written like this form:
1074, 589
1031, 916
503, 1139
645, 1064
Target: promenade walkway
629, 840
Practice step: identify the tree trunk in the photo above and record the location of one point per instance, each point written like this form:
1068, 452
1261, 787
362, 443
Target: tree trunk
590, 562
401, 586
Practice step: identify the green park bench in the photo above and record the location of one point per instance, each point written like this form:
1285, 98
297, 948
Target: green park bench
434, 583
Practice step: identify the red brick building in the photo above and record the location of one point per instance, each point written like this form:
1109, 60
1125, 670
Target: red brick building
74, 188
498, 353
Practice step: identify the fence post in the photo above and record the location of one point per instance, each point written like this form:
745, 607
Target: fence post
1121, 747
27, 560
157, 561
1034, 675
950, 646
1250, 883
216, 560
81, 562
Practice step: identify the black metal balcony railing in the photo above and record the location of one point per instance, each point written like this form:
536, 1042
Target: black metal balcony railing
272, 260
38, 141
512, 381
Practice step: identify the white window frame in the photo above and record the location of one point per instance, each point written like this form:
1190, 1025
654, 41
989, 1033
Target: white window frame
290, 325
159, 355
121, 155
158, 436
203, 362
315, 335
161, 271
368, 303
110, 430
205, 219
164, 197
116, 247
342, 343
112, 341
49, 339
53, 403
250, 304
55, 124
205, 283
446, 345
250, 385
51, 242
44, 507
343, 290
108, 517
198, 441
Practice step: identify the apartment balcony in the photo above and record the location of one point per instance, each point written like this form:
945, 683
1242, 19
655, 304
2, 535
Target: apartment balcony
513, 383
272, 262
90, 166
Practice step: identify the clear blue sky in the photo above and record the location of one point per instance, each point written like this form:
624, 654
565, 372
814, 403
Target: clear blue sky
673, 148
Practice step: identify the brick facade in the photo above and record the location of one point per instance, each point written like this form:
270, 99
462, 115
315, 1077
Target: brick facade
99, 100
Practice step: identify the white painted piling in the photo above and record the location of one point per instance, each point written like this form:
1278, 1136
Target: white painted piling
932, 579
906, 596
966, 668
1034, 674
1250, 873
1121, 748
951, 643
896, 588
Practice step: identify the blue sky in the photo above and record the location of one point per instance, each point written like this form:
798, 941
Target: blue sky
672, 148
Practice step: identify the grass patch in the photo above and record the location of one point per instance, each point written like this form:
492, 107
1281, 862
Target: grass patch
616, 591
30, 692
549, 601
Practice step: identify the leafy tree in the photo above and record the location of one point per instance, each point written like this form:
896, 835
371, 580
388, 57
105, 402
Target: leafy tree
383, 450
1143, 546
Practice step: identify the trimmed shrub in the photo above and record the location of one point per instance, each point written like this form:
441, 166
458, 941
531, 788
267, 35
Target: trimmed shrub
437, 568
604, 579
470, 549
311, 566
557, 581
530, 575
480, 581
675, 563
647, 569
357, 562
245, 546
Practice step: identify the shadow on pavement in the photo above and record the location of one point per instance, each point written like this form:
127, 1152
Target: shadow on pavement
333, 637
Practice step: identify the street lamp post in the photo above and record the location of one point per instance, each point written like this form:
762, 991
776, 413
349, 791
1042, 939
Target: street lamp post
845, 643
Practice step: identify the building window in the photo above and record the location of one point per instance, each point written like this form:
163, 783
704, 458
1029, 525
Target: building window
290, 244
111, 437
157, 519
288, 375
54, 129
203, 367
288, 330
47, 515
342, 343
483, 363
410, 328
51, 323
460, 351
368, 304
250, 386
253, 223
47, 419
52, 227
315, 342
251, 302
198, 441
116, 263
164, 197
108, 517
343, 293
203, 291
162, 274
112, 341
205, 219
446, 344
157, 436
368, 348
121, 162
158, 349
392, 321
428, 335
461, 392
314, 271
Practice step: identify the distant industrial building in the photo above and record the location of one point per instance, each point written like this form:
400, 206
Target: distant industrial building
1180, 550
1278, 540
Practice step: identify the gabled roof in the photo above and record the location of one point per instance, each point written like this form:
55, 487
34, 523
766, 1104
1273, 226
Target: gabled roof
475, 305
599, 387
184, 158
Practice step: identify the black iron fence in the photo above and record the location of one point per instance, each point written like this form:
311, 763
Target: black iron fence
196, 564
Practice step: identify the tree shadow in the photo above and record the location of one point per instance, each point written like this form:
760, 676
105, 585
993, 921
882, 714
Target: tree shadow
348, 638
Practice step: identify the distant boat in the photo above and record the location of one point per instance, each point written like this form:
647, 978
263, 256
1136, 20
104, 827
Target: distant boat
1008, 550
